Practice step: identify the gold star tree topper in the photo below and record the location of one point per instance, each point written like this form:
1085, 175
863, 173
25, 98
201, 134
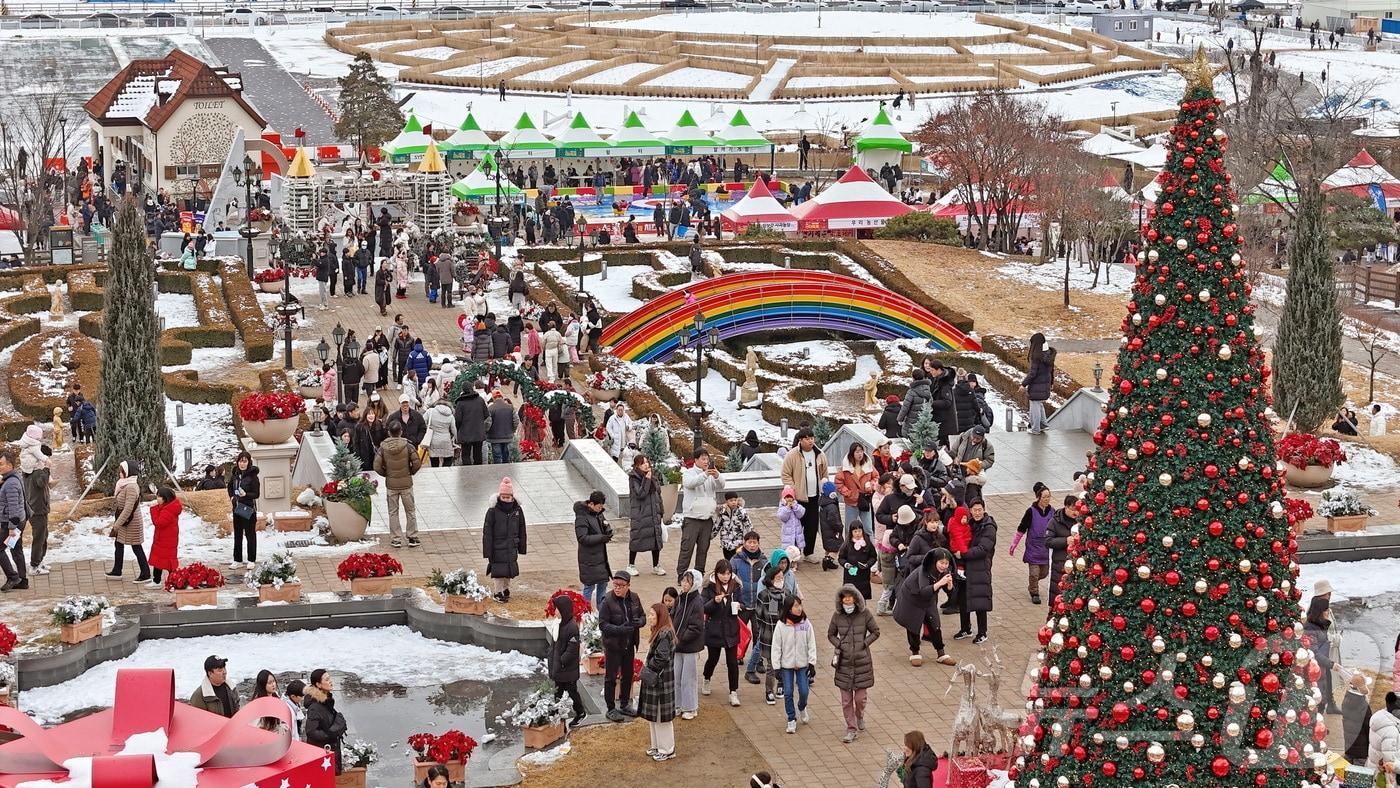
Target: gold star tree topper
1198, 71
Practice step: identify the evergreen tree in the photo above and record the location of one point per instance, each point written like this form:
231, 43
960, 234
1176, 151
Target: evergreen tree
130, 391
1174, 654
924, 430
1354, 223
368, 115
821, 431
1308, 348
734, 459
656, 445
344, 463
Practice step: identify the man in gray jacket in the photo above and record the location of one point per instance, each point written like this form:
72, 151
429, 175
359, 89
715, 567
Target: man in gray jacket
445, 281
500, 427
702, 486
12, 516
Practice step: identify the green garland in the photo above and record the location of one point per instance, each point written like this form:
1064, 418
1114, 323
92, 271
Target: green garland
531, 390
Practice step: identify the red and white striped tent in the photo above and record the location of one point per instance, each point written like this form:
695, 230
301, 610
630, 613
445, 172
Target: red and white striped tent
855, 202
1358, 175
758, 207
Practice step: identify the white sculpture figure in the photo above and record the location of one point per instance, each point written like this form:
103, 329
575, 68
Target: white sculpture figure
748, 395
870, 386
56, 302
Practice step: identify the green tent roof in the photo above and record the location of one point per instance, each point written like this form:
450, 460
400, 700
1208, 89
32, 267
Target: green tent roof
739, 132
688, 132
580, 135
1278, 187
481, 182
882, 135
468, 136
526, 137
634, 134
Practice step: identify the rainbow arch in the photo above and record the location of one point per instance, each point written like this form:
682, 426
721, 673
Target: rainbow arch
753, 301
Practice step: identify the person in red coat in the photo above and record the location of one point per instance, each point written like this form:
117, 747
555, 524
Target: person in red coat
165, 546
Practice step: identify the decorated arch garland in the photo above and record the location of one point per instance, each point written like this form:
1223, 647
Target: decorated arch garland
541, 394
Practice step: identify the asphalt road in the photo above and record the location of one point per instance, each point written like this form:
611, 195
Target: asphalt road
274, 92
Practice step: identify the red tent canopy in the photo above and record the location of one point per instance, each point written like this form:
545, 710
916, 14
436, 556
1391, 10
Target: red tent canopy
10, 219
853, 201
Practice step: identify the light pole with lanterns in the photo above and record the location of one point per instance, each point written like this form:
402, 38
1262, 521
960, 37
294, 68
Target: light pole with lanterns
246, 176
703, 341
338, 337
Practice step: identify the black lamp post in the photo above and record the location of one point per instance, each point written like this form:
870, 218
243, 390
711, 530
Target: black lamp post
352, 352
703, 341
338, 337
582, 244
246, 176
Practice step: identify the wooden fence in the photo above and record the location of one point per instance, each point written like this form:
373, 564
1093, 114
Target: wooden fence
1363, 284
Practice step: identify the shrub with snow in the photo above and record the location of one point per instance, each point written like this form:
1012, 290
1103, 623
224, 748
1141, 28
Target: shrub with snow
276, 571
1341, 502
458, 582
539, 709
78, 608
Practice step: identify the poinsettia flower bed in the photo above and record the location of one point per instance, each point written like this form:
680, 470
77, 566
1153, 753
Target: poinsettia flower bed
270, 275
264, 406
530, 450
1300, 450
192, 576
7, 640
451, 746
368, 565
581, 605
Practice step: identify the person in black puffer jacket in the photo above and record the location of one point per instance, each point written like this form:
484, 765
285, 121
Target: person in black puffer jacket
917, 395
829, 523
564, 657
889, 417
500, 341
325, 727
967, 405
977, 561
721, 596
749, 447
1057, 539
941, 401
688, 616
593, 534
470, 414
920, 761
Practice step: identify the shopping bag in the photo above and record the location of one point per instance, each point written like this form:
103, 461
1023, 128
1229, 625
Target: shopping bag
745, 636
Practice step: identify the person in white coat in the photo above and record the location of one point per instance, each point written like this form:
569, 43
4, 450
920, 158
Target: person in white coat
443, 426
794, 656
553, 343
1383, 751
620, 429
702, 484
474, 305
1377, 420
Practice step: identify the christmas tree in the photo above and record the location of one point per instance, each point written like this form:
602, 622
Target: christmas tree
923, 431
1174, 654
130, 392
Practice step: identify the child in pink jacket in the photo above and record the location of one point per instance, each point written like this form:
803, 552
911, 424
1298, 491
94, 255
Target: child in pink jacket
790, 518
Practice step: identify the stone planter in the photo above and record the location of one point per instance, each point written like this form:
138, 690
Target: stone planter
604, 395
1348, 524
593, 665
289, 592
272, 287
456, 772
309, 392
5, 697
86, 629
669, 494
271, 431
460, 603
351, 778
1309, 477
195, 597
539, 737
346, 524
371, 586
292, 521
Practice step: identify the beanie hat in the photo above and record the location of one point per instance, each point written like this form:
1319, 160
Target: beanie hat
788, 492
892, 399
793, 553
507, 486
828, 488
905, 515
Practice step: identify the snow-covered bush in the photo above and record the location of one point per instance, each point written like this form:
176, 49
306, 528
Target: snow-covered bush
539, 709
590, 634
458, 582
276, 571
78, 608
1341, 502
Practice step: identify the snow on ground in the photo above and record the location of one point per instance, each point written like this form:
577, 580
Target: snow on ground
1378, 71
207, 433
618, 74
700, 78
950, 78
1050, 276
1366, 467
817, 352
1054, 68
545, 757
804, 23
491, 67
383, 655
715, 390
1003, 48
1351, 579
177, 309
911, 50
555, 72
823, 82
615, 293
207, 359
433, 53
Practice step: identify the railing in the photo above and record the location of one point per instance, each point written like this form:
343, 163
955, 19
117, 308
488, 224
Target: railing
1363, 284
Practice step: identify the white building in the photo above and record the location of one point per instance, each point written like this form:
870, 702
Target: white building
1331, 14
173, 121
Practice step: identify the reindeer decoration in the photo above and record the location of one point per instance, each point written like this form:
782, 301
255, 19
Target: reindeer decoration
1001, 724
968, 735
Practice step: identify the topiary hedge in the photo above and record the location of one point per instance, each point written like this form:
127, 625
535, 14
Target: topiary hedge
246, 312
35, 392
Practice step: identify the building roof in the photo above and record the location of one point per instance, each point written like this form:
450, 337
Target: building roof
149, 91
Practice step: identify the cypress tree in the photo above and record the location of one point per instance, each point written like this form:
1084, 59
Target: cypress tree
1308, 348
130, 392
924, 431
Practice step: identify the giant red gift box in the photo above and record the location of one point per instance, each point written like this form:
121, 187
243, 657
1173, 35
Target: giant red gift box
968, 771
233, 752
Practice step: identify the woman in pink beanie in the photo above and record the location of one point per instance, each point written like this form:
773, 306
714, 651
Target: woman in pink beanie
503, 539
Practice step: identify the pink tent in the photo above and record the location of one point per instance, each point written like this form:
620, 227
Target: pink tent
854, 202
758, 207
1358, 175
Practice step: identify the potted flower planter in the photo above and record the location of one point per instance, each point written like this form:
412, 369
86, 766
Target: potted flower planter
1310, 477
271, 431
456, 772
537, 737
275, 286
593, 665
346, 524
1348, 524
461, 603
309, 392
605, 395
371, 586
5, 697
195, 597
289, 592
670, 493
351, 778
86, 629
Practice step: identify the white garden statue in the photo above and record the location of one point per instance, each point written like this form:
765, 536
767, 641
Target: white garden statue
56, 302
870, 385
748, 395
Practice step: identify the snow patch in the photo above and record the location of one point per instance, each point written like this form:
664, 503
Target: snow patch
1365, 467
207, 433
1350, 579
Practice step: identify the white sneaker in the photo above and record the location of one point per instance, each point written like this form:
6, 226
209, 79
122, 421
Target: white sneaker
632, 570
792, 726
658, 571
235, 564
804, 716
705, 687
154, 584
42, 569
733, 699
687, 715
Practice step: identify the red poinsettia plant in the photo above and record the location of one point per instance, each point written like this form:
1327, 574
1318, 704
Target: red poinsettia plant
534, 414
368, 565
1300, 450
263, 406
451, 746
194, 575
636, 669
1297, 510
581, 604
7, 640
270, 275
530, 450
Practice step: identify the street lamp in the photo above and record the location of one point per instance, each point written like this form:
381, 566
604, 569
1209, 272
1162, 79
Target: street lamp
582, 244
63, 142
246, 176
338, 337
703, 341
286, 309
352, 352
1098, 376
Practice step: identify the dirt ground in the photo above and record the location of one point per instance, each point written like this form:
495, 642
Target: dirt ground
968, 282
615, 755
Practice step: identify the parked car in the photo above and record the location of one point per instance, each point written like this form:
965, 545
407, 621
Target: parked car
1247, 5
452, 12
1082, 6
875, 5
920, 6
160, 19
599, 5
244, 16
385, 12
532, 8
752, 5
682, 4
39, 21
103, 19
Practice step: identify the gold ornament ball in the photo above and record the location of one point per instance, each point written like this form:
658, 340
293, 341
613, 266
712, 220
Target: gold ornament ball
1156, 753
